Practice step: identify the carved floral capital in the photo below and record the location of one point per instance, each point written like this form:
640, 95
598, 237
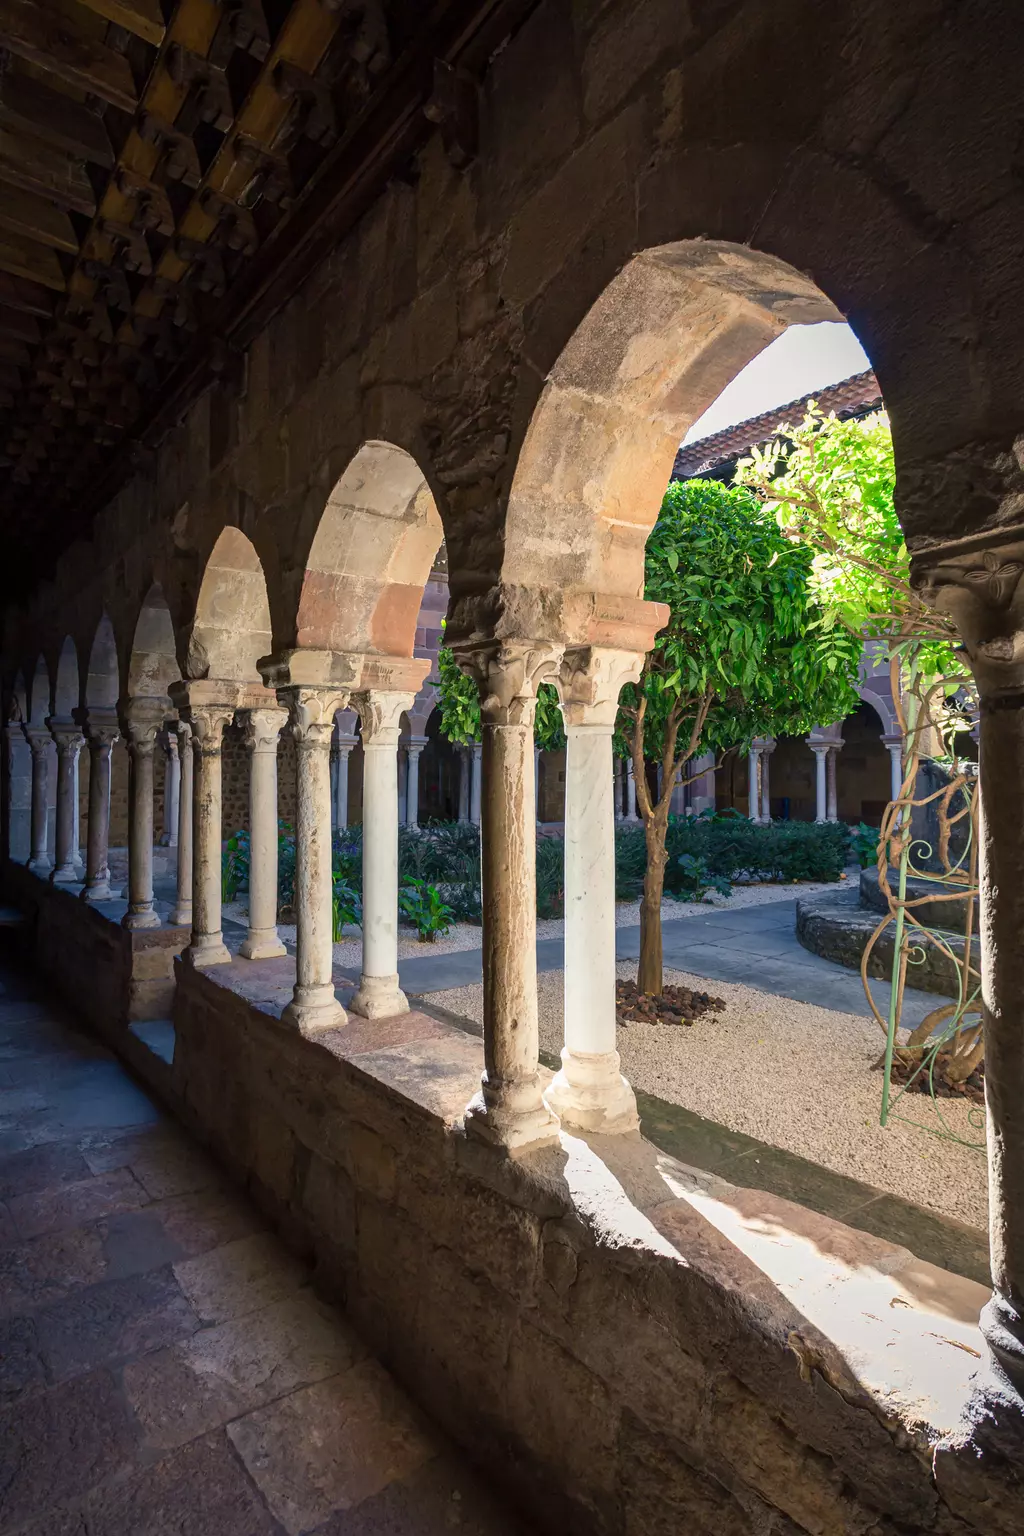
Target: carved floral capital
507, 674
262, 727
380, 715
590, 680
982, 592
311, 713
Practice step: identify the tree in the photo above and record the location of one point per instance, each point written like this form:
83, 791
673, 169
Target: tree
748, 651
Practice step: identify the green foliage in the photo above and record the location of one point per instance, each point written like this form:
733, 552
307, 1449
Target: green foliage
550, 877
234, 867
630, 861
864, 845
459, 704
423, 906
728, 847
694, 879
285, 864
346, 906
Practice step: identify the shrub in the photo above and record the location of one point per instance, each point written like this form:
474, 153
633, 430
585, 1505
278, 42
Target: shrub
696, 880
864, 845
550, 877
346, 906
423, 906
285, 864
234, 867
630, 862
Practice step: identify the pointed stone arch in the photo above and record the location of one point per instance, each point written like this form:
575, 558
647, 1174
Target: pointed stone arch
232, 627
67, 688
40, 695
102, 685
153, 661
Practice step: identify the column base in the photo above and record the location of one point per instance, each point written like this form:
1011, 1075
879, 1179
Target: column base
262, 944
590, 1094
99, 892
314, 1008
1003, 1330
379, 997
512, 1118
181, 917
67, 874
40, 867
143, 918
209, 950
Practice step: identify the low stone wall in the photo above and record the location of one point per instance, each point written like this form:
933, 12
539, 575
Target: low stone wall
835, 926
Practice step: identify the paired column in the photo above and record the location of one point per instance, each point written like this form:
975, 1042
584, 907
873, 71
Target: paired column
141, 724
207, 722
172, 785
182, 914
379, 995
820, 750
261, 729
589, 1092
831, 794
509, 1111
414, 747
69, 741
311, 710
101, 732
41, 746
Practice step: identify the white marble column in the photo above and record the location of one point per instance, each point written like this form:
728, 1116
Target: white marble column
412, 780
765, 746
182, 913
475, 786
894, 747
754, 783
261, 729
314, 1004
509, 1111
401, 784
102, 732
589, 1092
379, 995
140, 723
536, 778
345, 739
617, 789
631, 811
831, 794
172, 785
820, 750
464, 773
207, 720
69, 742
41, 745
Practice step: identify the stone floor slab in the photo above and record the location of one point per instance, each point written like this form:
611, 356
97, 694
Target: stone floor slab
21, 1365
70, 1205
205, 1219
39, 1272
239, 1278
111, 1321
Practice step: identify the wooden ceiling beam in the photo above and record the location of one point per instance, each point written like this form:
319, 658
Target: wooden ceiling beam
26, 259
37, 219
28, 106
48, 39
28, 163
143, 18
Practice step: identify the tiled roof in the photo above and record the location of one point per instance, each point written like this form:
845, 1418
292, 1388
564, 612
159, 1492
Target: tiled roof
850, 397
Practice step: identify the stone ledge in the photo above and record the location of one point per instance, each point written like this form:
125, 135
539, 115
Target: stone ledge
836, 927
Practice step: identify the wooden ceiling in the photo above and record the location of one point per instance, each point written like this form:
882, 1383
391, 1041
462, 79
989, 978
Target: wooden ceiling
169, 172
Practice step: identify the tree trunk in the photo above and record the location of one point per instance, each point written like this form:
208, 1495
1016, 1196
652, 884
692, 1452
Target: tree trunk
650, 979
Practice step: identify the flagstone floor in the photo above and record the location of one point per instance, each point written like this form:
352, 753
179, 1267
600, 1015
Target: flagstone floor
165, 1366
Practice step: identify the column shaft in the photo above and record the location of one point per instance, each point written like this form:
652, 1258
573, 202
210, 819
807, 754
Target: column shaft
97, 871
140, 731
41, 744
379, 995
820, 804
831, 797
754, 784
341, 789
69, 744
207, 947
631, 810
182, 914
172, 787
475, 786
262, 728
464, 774
412, 785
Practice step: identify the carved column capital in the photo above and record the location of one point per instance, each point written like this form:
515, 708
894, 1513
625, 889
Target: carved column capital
380, 715
100, 727
311, 713
207, 722
39, 740
590, 680
68, 737
262, 727
507, 674
981, 591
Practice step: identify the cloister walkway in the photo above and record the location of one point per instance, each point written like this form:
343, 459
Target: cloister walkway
164, 1361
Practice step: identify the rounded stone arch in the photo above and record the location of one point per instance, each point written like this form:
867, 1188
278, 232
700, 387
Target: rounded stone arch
152, 660
370, 557
652, 353
881, 707
102, 684
40, 696
67, 688
232, 626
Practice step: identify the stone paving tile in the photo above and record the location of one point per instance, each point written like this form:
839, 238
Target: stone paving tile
25, 1173
70, 1205
239, 1278
61, 1443
111, 1321
439, 1499
8, 1231
330, 1446
21, 1365
36, 1273
206, 1219
223, 1372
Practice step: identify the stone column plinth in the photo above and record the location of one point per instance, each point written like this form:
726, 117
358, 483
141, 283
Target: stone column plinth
831, 793
982, 590
172, 785
820, 750
413, 749
379, 995
311, 710
141, 720
589, 1093
41, 746
262, 727
509, 1111
70, 742
206, 707
182, 914
101, 732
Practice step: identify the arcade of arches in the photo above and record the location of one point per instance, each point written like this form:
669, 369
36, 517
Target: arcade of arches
503, 357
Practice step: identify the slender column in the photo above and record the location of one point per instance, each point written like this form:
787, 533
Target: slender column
140, 725
401, 784
983, 592
536, 777
766, 746
69, 743
172, 785
207, 721
617, 788
475, 786
76, 831
334, 780
754, 783
831, 795
101, 733
341, 785
464, 772
631, 810
379, 995
41, 745
18, 791
509, 1111
589, 1093
894, 747
262, 727
314, 1004
820, 750
182, 914
412, 784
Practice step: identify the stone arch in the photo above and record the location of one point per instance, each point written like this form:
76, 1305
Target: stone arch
370, 557
17, 708
881, 707
101, 679
66, 693
232, 627
153, 662
655, 349
39, 698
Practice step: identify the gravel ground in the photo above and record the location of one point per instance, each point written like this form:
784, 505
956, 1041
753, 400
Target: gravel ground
792, 1075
